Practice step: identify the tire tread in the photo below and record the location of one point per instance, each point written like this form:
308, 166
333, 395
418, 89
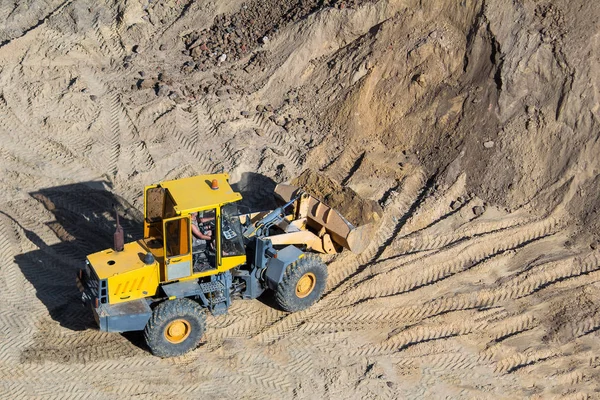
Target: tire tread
162, 314
285, 293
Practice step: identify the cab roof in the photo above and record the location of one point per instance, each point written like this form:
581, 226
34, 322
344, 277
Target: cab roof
195, 193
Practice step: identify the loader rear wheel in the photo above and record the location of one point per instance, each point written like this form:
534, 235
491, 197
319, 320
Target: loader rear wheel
302, 285
176, 327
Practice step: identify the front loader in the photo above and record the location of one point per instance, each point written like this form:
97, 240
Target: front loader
164, 283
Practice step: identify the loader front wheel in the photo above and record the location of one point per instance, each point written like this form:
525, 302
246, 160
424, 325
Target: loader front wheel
302, 285
176, 327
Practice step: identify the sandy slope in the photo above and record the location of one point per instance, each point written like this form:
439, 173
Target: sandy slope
455, 297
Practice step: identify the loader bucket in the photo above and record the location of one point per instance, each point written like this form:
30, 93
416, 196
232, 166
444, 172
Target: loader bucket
322, 219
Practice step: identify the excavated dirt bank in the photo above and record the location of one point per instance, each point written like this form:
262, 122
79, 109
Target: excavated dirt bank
473, 124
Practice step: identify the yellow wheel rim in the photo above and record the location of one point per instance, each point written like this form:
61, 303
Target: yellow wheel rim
306, 284
177, 331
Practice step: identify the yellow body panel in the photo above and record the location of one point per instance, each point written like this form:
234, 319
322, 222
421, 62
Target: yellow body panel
133, 285
109, 262
231, 262
155, 246
129, 278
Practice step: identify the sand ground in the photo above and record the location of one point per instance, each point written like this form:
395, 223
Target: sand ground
473, 124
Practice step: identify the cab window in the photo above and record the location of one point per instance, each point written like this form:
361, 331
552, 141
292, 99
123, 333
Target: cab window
154, 204
232, 242
177, 239
169, 210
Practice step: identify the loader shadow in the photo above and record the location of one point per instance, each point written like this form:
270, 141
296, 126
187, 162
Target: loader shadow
83, 223
257, 192
268, 299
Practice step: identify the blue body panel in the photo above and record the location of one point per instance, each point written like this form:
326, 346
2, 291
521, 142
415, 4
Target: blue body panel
124, 317
276, 266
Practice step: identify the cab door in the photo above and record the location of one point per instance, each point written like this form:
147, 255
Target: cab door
177, 244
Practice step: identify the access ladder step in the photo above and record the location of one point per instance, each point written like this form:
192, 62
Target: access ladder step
209, 287
217, 300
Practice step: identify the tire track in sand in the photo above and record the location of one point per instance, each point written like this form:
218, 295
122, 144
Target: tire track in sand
280, 140
341, 168
392, 310
462, 257
22, 143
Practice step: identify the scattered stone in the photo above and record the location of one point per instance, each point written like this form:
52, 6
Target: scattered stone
269, 108
289, 124
162, 47
264, 40
188, 66
162, 90
136, 49
146, 83
594, 245
196, 52
245, 114
142, 74
126, 65
260, 108
478, 210
455, 205
489, 144
128, 58
259, 131
222, 57
93, 97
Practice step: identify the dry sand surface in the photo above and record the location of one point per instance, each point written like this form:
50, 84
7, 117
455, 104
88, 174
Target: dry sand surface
475, 125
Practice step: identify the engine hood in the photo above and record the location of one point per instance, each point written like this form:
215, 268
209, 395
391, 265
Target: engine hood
109, 262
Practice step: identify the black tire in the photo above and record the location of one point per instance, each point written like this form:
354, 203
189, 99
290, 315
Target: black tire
176, 327
290, 296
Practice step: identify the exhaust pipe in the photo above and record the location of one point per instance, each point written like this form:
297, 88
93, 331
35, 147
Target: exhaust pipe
119, 237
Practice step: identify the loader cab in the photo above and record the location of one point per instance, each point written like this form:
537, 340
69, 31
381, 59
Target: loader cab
170, 209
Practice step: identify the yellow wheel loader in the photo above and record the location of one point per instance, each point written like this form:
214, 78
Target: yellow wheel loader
164, 283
